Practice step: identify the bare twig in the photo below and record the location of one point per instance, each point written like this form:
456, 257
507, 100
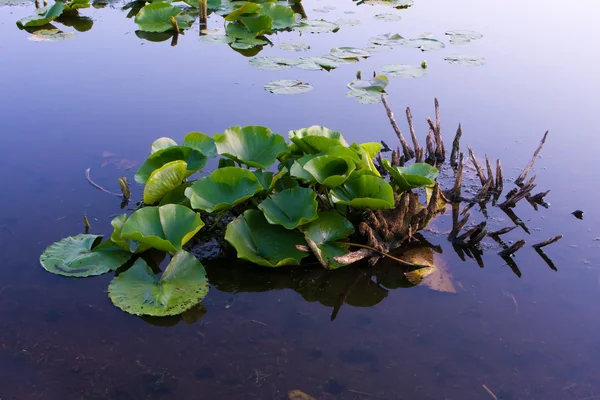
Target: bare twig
480, 173
418, 149
521, 177
502, 231
406, 149
87, 175
499, 180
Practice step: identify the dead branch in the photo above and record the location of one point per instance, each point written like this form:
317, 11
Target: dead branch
456, 147
512, 249
521, 177
480, 173
503, 231
413, 135
406, 149
547, 242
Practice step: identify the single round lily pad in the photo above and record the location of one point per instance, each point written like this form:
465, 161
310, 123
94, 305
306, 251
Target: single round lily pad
288, 86
404, 71
465, 60
463, 36
294, 46
272, 63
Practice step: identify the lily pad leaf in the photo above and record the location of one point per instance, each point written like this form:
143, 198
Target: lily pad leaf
330, 171
399, 4
388, 39
297, 170
177, 196
165, 228
315, 26
50, 35
316, 139
43, 17
322, 236
387, 17
463, 36
347, 22
182, 286
223, 189
425, 44
290, 208
246, 8
156, 17
288, 86
465, 60
349, 52
201, 141
308, 64
79, 256
259, 242
162, 143
368, 91
254, 146
268, 179
414, 176
163, 180
364, 191
194, 159
404, 71
217, 39
283, 17
367, 152
294, 46
272, 63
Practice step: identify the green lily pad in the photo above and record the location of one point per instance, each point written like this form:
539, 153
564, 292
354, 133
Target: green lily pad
308, 64
201, 141
217, 39
177, 196
272, 63
194, 159
259, 242
465, 60
80, 256
294, 46
414, 176
322, 236
283, 17
245, 8
297, 170
424, 44
223, 189
387, 17
349, 52
162, 143
345, 152
268, 179
165, 228
125, 244
347, 22
368, 91
138, 291
367, 152
290, 208
163, 180
463, 36
327, 62
77, 4
399, 4
315, 26
254, 146
156, 17
404, 71
288, 86
44, 16
330, 171
388, 39
364, 191
316, 139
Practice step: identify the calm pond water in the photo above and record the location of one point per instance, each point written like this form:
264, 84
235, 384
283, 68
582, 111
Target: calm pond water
99, 100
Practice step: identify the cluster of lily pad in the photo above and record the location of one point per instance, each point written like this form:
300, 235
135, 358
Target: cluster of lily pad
284, 202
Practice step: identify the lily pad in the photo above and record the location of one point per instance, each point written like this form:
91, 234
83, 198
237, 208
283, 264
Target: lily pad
254, 146
322, 236
182, 285
294, 46
315, 26
399, 4
463, 36
349, 52
368, 91
165, 228
194, 159
425, 44
272, 63
201, 141
316, 139
347, 22
50, 35
414, 176
330, 171
465, 60
268, 179
259, 242
388, 39
290, 208
80, 256
308, 64
162, 143
387, 17
297, 170
364, 191
156, 17
44, 16
223, 189
404, 71
283, 17
217, 39
288, 86
163, 180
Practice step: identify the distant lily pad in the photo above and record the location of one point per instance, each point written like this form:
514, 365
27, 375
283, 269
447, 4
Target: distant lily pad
404, 71
368, 91
294, 46
387, 17
259, 242
217, 39
463, 36
315, 26
399, 4
308, 64
465, 60
272, 63
424, 44
80, 256
347, 22
290, 208
288, 86
388, 39
182, 285
349, 52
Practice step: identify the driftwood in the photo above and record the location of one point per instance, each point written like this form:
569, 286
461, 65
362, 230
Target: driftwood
406, 149
480, 173
547, 242
512, 249
502, 231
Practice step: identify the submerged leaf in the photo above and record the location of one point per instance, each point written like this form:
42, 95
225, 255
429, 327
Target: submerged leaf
259, 242
288, 86
254, 146
50, 35
290, 208
182, 286
79, 256
322, 236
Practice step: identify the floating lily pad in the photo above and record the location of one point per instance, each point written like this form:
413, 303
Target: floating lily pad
259, 242
349, 52
463, 36
425, 44
223, 189
156, 17
330, 171
290, 208
388, 39
404, 71
323, 234
163, 180
80, 256
194, 159
326, 62
435, 277
50, 35
201, 141
165, 228
272, 63
347, 22
315, 26
316, 139
307, 64
288, 86
387, 17
268, 179
465, 60
364, 191
399, 4
368, 91
254, 146
43, 17
294, 46
139, 291
414, 176
283, 17
297, 170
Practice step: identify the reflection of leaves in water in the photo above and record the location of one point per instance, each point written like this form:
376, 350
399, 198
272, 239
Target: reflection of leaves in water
435, 275
294, 46
50, 35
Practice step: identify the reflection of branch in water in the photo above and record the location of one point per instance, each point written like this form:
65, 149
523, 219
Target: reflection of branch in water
516, 220
512, 264
545, 258
344, 295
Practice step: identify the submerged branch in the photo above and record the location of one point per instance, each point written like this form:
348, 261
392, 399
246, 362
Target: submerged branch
87, 175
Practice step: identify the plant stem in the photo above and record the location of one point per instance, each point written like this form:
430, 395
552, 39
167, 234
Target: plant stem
214, 225
364, 246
